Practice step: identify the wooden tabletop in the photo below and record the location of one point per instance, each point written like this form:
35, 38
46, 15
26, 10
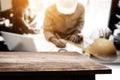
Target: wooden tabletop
49, 62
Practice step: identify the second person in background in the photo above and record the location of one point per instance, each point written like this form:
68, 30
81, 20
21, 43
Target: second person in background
22, 17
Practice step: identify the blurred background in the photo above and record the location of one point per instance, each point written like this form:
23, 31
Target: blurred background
97, 14
96, 10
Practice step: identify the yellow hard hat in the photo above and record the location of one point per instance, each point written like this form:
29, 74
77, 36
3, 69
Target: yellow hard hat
102, 49
66, 6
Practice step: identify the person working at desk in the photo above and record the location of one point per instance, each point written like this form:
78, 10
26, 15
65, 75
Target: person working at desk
21, 18
64, 20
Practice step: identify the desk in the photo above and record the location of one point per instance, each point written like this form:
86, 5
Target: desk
49, 66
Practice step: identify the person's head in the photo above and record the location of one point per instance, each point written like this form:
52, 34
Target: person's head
66, 6
20, 4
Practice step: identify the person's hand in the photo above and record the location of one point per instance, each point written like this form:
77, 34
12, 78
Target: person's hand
104, 33
75, 38
33, 31
59, 43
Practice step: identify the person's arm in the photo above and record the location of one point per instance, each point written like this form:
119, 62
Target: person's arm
49, 33
76, 36
80, 20
48, 26
24, 26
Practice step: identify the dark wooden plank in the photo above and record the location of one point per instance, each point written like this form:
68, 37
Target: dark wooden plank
47, 77
67, 62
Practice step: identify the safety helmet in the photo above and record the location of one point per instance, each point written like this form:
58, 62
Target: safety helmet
66, 6
102, 49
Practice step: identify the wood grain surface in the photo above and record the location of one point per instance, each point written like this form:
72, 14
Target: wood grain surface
49, 61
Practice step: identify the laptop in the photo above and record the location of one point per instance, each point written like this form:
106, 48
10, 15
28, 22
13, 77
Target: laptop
16, 42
